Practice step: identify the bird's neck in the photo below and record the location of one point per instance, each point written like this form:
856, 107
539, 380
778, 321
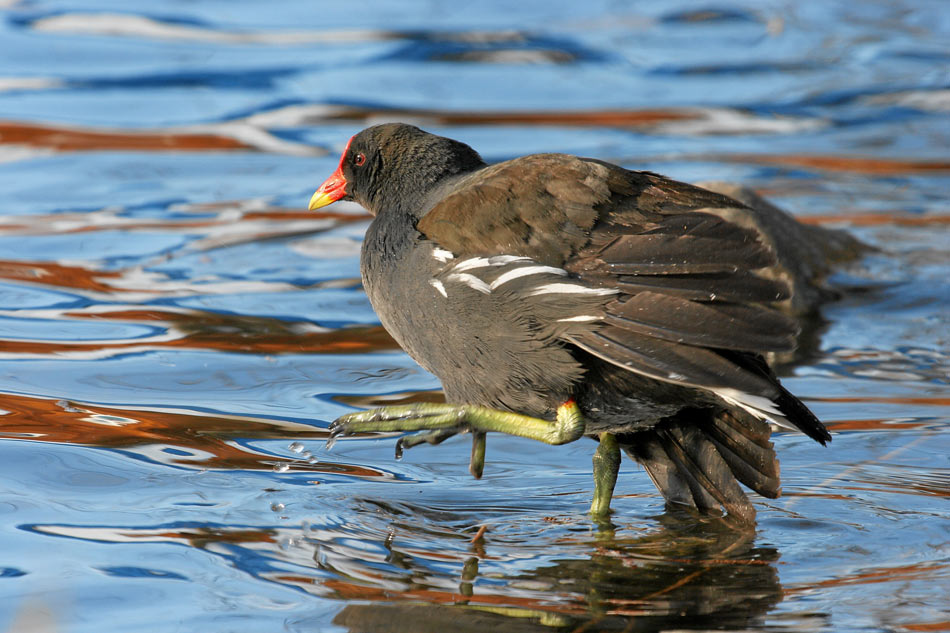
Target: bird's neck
389, 239
415, 196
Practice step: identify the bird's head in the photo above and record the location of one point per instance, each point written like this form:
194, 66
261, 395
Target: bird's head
394, 165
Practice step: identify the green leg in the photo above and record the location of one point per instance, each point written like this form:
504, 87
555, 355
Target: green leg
568, 426
432, 437
606, 466
476, 465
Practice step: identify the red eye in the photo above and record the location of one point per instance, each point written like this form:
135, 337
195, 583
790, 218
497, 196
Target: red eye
359, 159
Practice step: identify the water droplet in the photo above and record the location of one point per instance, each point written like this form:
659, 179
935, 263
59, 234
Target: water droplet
330, 442
67, 406
296, 447
277, 507
312, 459
281, 467
319, 557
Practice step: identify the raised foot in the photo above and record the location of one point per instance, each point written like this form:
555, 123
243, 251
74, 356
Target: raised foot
439, 421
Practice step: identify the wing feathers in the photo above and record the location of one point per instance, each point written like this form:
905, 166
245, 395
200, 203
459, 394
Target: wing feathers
670, 362
659, 253
721, 325
740, 286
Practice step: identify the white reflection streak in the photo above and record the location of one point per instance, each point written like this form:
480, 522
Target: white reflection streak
124, 25
711, 121
94, 354
14, 84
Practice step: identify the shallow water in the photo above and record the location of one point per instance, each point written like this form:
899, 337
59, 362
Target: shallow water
176, 332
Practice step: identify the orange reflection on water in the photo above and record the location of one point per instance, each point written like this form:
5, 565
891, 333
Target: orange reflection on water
858, 164
872, 425
927, 626
192, 329
71, 139
582, 118
62, 275
897, 218
211, 438
939, 401
904, 573
199, 537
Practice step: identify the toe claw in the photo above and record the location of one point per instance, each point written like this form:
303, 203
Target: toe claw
336, 428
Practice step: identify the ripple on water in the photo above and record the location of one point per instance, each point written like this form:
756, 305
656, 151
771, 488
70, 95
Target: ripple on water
176, 330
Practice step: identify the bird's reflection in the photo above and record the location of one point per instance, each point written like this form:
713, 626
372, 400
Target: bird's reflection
686, 575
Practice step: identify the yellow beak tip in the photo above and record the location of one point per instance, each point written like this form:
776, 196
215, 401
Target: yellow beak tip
318, 200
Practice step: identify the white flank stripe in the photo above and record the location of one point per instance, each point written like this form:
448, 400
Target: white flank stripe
580, 319
472, 262
482, 262
471, 281
435, 283
442, 255
570, 289
526, 270
500, 260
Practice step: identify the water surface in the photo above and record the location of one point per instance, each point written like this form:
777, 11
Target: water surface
176, 331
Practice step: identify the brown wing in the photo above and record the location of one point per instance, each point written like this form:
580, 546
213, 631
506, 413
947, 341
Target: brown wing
689, 282
542, 206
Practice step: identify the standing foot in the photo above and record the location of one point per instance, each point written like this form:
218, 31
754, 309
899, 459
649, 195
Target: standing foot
606, 466
476, 464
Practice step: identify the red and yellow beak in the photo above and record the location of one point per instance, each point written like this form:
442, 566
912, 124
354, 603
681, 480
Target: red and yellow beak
333, 188
330, 191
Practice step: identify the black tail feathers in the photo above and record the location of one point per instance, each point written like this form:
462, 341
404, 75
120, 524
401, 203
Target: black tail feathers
796, 414
697, 459
800, 415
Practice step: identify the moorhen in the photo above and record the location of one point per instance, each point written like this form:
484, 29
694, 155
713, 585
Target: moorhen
557, 297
